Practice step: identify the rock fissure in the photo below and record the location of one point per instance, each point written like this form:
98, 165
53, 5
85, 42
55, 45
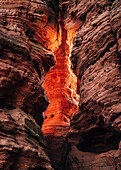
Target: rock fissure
39, 41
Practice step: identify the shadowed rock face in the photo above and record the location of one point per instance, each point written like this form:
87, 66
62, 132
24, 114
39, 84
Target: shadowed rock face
24, 58
99, 140
22, 144
24, 61
95, 129
31, 34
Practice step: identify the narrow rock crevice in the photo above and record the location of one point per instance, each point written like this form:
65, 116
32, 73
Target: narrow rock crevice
61, 87
35, 44
99, 140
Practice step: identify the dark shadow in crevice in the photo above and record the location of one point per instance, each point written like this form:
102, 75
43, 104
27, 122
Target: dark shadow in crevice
36, 66
99, 140
112, 1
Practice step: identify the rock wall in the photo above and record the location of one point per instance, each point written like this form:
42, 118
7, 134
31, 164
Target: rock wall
36, 35
95, 129
24, 60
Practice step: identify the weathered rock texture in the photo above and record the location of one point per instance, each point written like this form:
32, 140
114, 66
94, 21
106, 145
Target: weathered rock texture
61, 87
34, 36
22, 144
24, 61
95, 129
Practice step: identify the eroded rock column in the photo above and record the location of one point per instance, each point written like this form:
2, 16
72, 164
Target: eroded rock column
60, 85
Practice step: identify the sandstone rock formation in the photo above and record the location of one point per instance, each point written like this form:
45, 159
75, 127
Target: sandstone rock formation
60, 86
35, 35
24, 61
22, 144
95, 131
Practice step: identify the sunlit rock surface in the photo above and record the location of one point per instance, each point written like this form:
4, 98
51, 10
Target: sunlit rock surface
60, 86
36, 37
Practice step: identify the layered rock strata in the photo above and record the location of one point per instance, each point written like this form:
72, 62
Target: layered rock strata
95, 130
24, 61
22, 144
36, 35
60, 86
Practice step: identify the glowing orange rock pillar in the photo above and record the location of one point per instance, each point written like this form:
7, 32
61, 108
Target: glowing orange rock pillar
60, 85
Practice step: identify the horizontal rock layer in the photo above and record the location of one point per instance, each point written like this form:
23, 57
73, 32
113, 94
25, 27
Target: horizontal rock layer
25, 59
36, 35
95, 129
22, 144
60, 85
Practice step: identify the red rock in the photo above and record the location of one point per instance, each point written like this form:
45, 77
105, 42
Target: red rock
24, 61
21, 142
60, 85
95, 127
36, 35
